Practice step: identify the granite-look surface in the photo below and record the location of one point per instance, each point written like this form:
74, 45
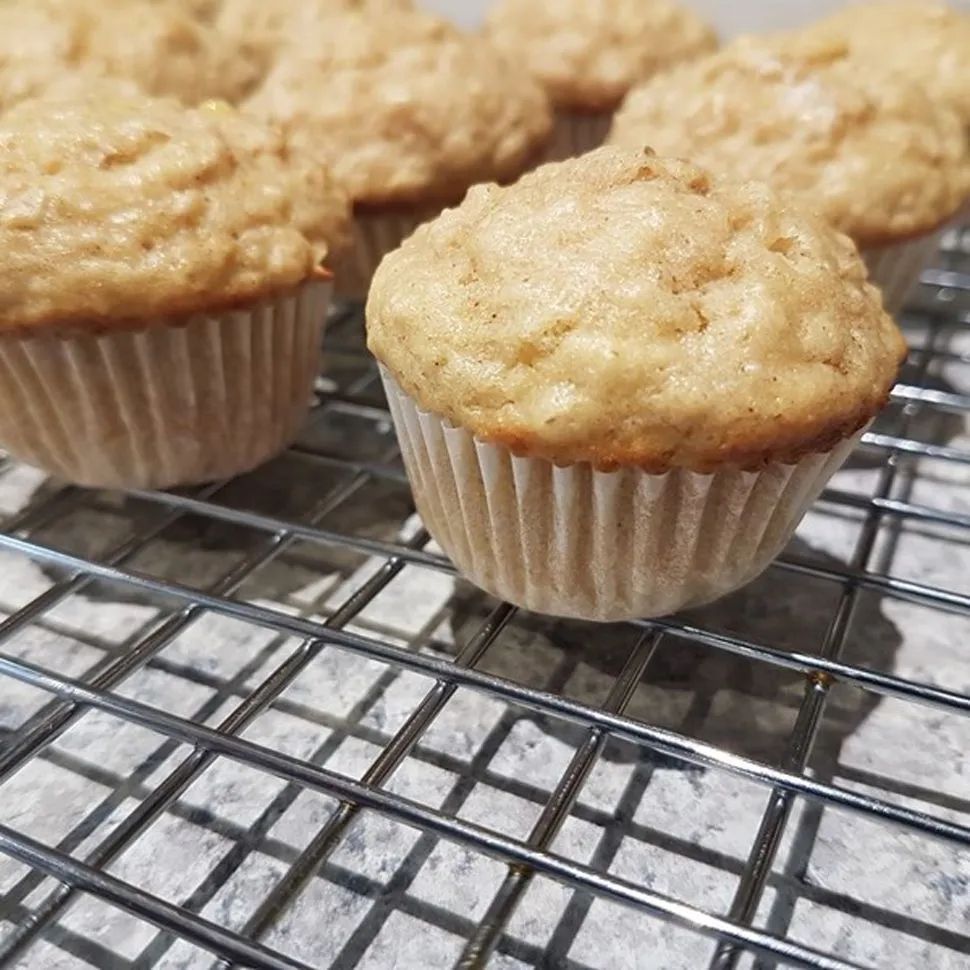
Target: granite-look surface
389, 897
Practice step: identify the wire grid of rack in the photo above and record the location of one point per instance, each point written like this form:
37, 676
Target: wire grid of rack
252, 724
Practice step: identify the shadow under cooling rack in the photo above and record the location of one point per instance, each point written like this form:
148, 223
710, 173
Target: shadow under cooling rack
263, 724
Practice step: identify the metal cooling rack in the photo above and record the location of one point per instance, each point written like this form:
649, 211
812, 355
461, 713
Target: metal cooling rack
260, 724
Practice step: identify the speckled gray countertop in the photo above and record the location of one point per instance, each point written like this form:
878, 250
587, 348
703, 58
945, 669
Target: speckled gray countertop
389, 897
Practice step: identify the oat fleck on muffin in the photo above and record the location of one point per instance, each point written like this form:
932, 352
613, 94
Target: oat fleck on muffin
412, 113
589, 53
619, 383
870, 151
163, 291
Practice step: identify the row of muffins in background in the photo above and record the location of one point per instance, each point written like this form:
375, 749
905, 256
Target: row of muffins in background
403, 108
863, 113
164, 290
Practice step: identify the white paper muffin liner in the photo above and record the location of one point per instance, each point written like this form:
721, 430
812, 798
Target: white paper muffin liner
172, 402
375, 234
575, 133
573, 541
896, 268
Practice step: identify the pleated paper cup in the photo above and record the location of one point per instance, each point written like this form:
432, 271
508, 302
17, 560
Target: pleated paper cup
896, 267
576, 133
171, 402
375, 234
575, 542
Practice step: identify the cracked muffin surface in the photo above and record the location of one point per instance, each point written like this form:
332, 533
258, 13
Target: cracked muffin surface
116, 206
924, 41
405, 108
623, 309
588, 53
802, 116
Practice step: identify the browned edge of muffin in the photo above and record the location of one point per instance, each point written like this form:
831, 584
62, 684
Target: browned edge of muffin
787, 442
178, 313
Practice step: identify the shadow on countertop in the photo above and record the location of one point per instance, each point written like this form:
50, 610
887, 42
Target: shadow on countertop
745, 706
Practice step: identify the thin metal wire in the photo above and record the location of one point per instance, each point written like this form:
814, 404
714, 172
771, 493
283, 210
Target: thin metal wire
802, 740
381, 769
375, 649
669, 743
901, 589
411, 813
525, 857
51, 726
139, 903
189, 770
482, 944
945, 400
947, 279
894, 507
907, 446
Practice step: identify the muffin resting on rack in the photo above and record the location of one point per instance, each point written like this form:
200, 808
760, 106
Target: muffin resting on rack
871, 152
619, 383
156, 45
925, 41
262, 29
409, 112
163, 291
588, 53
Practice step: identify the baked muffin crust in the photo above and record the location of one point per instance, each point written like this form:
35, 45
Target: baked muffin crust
588, 53
405, 107
262, 28
125, 207
625, 310
922, 40
34, 50
870, 151
158, 45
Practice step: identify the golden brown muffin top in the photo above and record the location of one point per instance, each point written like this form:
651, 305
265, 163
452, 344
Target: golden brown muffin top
158, 45
626, 310
921, 40
871, 152
589, 53
114, 208
405, 107
262, 28
34, 48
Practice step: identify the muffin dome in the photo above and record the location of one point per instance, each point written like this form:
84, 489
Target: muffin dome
870, 151
120, 206
621, 309
588, 53
261, 29
921, 40
158, 45
405, 107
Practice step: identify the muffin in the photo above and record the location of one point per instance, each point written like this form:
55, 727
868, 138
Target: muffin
619, 383
921, 40
157, 45
260, 29
163, 291
589, 53
408, 112
870, 152
925, 42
